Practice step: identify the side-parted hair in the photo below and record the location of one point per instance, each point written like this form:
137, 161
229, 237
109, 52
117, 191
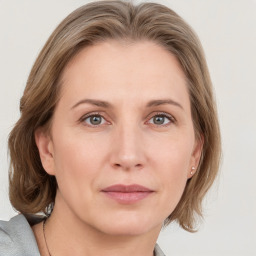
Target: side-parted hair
31, 189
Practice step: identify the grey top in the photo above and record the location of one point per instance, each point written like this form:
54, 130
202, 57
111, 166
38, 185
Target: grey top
17, 238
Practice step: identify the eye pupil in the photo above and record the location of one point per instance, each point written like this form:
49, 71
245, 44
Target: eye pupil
158, 119
95, 120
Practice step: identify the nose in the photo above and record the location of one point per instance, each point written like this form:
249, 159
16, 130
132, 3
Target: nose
127, 148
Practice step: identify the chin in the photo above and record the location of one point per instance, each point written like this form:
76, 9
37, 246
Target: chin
128, 226
126, 230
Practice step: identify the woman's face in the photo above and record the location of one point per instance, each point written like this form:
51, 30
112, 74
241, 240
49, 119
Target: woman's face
122, 142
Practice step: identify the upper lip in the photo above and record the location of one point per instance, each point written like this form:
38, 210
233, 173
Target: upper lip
126, 188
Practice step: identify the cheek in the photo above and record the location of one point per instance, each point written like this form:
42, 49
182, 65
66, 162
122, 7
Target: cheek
174, 153
173, 182
77, 165
174, 174
76, 149
172, 161
76, 161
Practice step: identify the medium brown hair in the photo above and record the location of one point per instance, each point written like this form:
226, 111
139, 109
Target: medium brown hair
32, 190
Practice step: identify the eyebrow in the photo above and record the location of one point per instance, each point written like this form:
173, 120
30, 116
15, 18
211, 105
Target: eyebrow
154, 103
98, 103
104, 104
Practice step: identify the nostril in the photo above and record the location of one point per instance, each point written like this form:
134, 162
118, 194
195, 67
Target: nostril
127, 167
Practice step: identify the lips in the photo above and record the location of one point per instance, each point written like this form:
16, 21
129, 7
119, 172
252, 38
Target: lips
127, 194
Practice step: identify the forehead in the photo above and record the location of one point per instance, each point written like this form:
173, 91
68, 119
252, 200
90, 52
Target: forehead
118, 69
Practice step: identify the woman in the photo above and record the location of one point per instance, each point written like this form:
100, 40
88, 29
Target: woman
118, 135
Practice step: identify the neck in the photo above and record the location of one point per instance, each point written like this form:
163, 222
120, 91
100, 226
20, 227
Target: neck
68, 235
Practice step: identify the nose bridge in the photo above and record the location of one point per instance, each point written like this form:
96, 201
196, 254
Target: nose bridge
128, 149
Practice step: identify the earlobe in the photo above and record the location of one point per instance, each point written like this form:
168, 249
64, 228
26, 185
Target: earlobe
196, 155
45, 148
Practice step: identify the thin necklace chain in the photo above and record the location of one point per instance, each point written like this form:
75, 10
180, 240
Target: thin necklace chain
45, 237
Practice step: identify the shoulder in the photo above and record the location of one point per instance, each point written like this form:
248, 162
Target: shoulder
17, 238
158, 251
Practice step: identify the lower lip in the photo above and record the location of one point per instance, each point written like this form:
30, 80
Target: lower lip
128, 197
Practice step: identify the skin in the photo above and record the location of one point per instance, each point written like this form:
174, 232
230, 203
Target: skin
144, 136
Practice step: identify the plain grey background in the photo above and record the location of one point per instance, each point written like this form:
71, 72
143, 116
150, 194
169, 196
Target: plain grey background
227, 30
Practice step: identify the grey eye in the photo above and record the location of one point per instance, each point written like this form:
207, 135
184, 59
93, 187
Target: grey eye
94, 120
159, 119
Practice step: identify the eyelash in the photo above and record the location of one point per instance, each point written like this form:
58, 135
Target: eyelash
158, 114
83, 119
165, 115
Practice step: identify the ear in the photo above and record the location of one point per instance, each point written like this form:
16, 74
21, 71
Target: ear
196, 155
45, 147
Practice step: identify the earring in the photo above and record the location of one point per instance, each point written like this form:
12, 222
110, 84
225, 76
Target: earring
193, 169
